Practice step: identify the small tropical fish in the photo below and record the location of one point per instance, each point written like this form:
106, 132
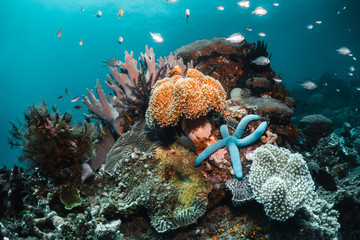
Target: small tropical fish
309, 26
343, 51
347, 124
59, 33
358, 88
171, 1
350, 54
351, 74
82, 9
120, 13
260, 11
98, 14
354, 58
318, 22
235, 38
338, 12
66, 91
157, 37
276, 4
101, 129
187, 13
59, 98
278, 80
75, 99
113, 62
220, 8
120, 40
261, 61
344, 7
310, 85
186, 142
338, 90
325, 84
262, 34
81, 42
352, 68
78, 107
244, 4
249, 29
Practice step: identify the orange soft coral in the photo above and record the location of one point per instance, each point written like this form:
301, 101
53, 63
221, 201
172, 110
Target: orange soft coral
189, 97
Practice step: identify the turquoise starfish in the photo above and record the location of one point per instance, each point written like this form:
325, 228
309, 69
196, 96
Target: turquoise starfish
233, 142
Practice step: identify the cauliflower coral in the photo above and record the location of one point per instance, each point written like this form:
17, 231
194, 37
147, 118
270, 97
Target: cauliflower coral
280, 180
189, 97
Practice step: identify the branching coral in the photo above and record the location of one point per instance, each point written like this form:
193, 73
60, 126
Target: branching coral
132, 87
52, 144
190, 97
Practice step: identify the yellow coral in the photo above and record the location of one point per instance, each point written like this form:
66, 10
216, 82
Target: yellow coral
189, 97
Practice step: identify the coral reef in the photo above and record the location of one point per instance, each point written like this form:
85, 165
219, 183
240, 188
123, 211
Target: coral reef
280, 180
51, 143
137, 178
190, 97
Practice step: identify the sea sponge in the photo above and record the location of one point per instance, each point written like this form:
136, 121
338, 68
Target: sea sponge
189, 97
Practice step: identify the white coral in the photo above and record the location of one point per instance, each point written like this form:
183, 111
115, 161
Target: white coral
280, 180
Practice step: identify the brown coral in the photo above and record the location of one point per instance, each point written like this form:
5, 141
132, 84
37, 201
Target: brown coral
190, 97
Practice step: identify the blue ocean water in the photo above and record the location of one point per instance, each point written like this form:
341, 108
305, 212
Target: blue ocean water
36, 65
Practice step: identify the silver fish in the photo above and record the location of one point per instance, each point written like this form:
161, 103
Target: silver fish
261, 61
113, 62
235, 38
75, 99
310, 85
343, 51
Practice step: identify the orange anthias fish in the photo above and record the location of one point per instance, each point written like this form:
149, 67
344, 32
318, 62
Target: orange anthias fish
120, 13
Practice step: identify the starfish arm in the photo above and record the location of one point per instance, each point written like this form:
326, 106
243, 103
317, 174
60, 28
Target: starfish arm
239, 132
235, 159
210, 150
253, 137
224, 131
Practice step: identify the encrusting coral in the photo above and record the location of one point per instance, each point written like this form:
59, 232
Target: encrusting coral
189, 97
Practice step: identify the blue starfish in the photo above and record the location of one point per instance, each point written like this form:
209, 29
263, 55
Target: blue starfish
233, 142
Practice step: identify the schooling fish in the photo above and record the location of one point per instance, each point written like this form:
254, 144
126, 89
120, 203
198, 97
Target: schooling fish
261, 61
249, 29
120, 13
278, 80
235, 38
157, 37
59, 33
81, 42
220, 8
260, 11
98, 14
310, 85
244, 4
75, 99
59, 98
262, 34
113, 62
78, 107
187, 13
120, 40
66, 91
343, 51
276, 4
171, 1
310, 27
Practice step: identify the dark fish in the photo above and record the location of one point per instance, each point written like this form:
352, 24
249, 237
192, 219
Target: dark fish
113, 62
66, 91
59, 98
186, 142
75, 99
78, 107
59, 33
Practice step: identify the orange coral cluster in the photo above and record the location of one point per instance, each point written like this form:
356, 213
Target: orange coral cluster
189, 97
